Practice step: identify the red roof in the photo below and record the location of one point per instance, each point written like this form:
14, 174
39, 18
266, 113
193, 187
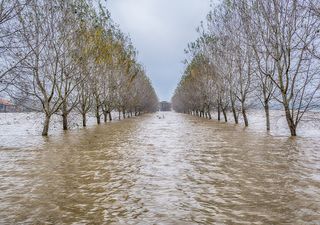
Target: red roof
5, 102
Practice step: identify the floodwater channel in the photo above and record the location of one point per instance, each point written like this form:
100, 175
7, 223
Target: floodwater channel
175, 170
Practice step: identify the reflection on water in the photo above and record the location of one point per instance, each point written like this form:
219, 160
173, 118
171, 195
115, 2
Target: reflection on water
176, 170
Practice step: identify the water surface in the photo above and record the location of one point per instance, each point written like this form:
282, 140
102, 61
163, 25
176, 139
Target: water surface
175, 170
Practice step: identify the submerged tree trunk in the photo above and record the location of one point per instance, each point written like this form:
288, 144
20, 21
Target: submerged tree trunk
245, 118
267, 112
219, 112
98, 115
209, 114
292, 126
105, 116
64, 115
65, 121
110, 116
46, 124
244, 114
84, 119
234, 112
225, 115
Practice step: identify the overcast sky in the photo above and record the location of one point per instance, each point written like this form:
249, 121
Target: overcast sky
160, 30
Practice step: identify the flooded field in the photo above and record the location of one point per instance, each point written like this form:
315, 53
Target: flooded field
175, 170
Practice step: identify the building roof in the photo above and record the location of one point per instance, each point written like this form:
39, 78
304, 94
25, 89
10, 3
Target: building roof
5, 102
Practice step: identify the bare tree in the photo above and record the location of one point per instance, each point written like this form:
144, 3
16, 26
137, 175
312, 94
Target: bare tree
293, 28
269, 46
9, 10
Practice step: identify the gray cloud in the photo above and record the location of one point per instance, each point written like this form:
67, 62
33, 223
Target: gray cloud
160, 30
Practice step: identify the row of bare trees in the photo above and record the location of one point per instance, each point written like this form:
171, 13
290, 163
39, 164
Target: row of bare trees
61, 57
254, 51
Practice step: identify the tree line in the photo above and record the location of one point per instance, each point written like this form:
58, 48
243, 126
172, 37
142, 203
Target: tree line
254, 51
62, 57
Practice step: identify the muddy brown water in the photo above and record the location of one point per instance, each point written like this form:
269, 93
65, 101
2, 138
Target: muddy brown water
176, 170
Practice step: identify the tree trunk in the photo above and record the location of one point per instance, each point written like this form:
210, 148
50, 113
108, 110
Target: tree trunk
266, 109
119, 115
124, 114
225, 115
234, 112
245, 118
219, 112
46, 126
84, 120
65, 121
110, 116
244, 114
105, 116
84, 115
64, 115
291, 125
209, 114
98, 115
98, 110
